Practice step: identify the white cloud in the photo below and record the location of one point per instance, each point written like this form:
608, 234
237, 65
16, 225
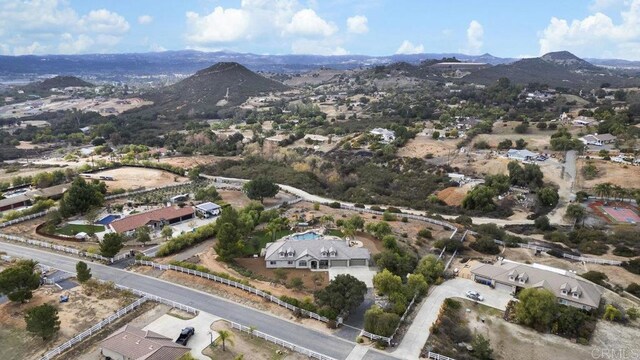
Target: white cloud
599, 5
222, 25
145, 19
53, 26
407, 47
475, 36
105, 22
307, 23
596, 34
358, 24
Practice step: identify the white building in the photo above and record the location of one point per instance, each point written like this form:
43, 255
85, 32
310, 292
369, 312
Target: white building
387, 136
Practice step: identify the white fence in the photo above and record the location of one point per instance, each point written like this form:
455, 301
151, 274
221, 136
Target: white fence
65, 249
235, 284
444, 224
95, 328
565, 255
161, 300
299, 349
24, 218
436, 356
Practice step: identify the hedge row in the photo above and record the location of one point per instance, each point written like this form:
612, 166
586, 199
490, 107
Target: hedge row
185, 240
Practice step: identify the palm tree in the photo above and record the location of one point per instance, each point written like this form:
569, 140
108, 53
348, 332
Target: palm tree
225, 336
603, 190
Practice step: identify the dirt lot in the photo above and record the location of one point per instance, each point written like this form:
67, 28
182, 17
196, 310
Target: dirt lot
238, 199
610, 172
248, 347
454, 195
424, 144
81, 312
191, 161
133, 178
309, 277
25, 171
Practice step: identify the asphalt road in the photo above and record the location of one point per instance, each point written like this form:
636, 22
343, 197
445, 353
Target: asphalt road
314, 340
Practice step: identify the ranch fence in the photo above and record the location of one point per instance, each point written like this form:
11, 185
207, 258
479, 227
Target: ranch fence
144, 191
235, 284
436, 356
68, 250
95, 328
299, 349
24, 218
590, 260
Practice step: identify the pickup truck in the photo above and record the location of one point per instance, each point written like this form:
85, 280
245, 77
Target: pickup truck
185, 334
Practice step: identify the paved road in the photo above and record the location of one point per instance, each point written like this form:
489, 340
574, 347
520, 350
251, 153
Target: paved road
321, 342
418, 332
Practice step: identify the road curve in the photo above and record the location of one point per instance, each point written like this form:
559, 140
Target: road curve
289, 331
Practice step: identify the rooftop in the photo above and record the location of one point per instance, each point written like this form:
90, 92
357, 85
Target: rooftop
135, 343
315, 248
135, 221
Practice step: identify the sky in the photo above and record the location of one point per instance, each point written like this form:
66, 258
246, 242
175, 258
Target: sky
505, 28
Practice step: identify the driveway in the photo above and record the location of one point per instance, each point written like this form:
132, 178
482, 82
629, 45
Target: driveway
418, 332
170, 327
364, 274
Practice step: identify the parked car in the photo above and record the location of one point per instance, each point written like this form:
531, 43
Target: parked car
185, 334
474, 295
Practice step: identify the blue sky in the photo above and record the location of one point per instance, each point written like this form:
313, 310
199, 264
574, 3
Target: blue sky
508, 28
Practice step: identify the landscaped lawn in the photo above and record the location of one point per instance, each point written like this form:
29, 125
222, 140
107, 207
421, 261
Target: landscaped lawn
259, 239
73, 229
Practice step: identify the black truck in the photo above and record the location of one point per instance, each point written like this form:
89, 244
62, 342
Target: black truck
185, 334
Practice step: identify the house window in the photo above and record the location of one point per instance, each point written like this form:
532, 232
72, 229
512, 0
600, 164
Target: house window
510, 278
564, 292
521, 281
575, 295
302, 263
290, 262
272, 262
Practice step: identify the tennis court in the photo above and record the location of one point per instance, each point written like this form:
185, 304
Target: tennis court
620, 214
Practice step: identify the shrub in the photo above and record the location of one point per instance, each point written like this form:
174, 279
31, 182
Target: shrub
183, 241
634, 289
486, 245
334, 205
632, 266
596, 277
387, 216
623, 251
425, 233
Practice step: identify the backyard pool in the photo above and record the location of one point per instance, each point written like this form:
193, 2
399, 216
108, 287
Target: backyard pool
306, 236
108, 219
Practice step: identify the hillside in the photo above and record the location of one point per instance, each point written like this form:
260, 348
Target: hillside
558, 69
432, 69
62, 82
221, 85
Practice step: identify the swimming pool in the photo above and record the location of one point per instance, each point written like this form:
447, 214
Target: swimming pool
108, 219
306, 236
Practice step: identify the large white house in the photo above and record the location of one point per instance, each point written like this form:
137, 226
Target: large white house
598, 139
512, 277
315, 253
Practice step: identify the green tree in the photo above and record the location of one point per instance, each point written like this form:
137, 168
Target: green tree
575, 212
224, 337
81, 197
612, 313
209, 193
431, 268
194, 174
344, 293
542, 223
536, 308
481, 347
260, 188
386, 282
228, 245
43, 321
416, 284
435, 135
378, 322
480, 198
18, 281
142, 235
83, 272
111, 244
166, 232
398, 262
548, 196
521, 144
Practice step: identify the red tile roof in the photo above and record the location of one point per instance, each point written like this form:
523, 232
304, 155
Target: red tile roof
135, 221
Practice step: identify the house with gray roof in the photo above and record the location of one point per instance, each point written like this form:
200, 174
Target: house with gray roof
511, 276
132, 343
315, 254
521, 155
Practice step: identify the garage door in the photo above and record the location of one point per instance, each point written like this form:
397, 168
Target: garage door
482, 280
358, 262
504, 287
343, 263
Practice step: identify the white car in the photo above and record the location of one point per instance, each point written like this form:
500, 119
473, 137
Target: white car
474, 295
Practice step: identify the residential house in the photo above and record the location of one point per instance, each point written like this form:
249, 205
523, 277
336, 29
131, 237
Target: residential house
512, 277
386, 136
584, 121
15, 202
155, 219
314, 253
598, 139
208, 209
521, 155
132, 343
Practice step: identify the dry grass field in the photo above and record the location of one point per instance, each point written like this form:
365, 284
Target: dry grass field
137, 178
625, 176
422, 145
